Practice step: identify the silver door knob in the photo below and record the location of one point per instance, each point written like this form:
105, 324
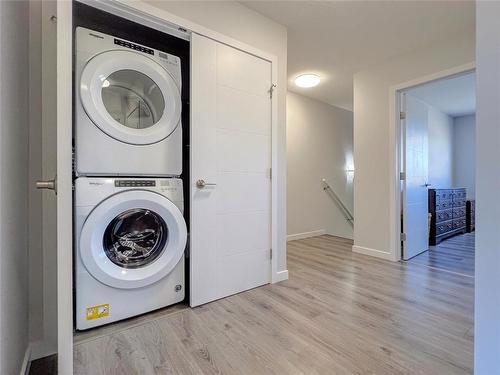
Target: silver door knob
47, 184
200, 184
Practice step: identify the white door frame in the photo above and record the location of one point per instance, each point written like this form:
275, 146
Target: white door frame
159, 19
64, 187
395, 149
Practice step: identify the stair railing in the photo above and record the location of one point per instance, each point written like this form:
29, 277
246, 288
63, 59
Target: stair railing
345, 211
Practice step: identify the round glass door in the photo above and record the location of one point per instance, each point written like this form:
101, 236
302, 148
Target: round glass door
135, 238
132, 239
132, 99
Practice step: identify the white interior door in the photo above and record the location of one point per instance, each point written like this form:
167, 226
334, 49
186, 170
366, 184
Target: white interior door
416, 154
230, 237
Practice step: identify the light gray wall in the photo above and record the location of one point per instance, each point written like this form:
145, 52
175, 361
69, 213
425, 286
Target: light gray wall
440, 148
374, 137
464, 153
245, 25
319, 145
14, 155
487, 281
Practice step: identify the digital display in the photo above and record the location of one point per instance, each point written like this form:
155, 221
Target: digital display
134, 46
134, 183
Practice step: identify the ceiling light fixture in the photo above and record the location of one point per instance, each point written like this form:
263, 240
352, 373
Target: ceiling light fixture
307, 80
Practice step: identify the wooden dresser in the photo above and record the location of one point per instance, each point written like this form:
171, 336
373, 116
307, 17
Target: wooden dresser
448, 210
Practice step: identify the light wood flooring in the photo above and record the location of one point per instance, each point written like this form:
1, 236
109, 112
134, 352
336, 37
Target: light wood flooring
339, 313
456, 254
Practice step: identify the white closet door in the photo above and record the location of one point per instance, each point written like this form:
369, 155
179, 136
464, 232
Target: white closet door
230, 238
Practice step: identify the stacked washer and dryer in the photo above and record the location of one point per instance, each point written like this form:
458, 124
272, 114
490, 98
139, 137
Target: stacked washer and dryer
130, 233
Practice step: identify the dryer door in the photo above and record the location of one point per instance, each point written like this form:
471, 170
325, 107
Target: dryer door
130, 97
133, 239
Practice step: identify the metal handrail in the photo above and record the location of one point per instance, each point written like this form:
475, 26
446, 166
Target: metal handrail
347, 214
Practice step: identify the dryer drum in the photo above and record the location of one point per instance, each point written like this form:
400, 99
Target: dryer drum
135, 238
132, 99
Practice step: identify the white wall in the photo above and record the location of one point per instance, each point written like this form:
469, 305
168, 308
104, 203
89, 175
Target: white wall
464, 153
487, 307
374, 134
441, 146
245, 25
14, 154
319, 145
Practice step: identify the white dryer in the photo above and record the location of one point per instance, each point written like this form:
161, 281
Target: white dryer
130, 237
127, 108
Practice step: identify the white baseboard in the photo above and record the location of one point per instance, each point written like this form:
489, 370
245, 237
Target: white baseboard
372, 252
299, 236
25, 368
281, 276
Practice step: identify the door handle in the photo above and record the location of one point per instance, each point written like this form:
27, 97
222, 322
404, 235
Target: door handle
200, 184
427, 184
47, 184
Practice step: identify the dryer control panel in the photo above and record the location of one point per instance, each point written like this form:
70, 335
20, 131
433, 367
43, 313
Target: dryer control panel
134, 46
134, 183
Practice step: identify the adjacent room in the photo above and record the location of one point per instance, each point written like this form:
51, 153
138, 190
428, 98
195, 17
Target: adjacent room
438, 165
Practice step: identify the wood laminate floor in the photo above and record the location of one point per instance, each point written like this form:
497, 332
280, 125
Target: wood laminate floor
339, 313
456, 254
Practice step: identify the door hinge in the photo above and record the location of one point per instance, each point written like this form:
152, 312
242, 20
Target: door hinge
402, 115
403, 237
402, 176
271, 253
271, 90
270, 173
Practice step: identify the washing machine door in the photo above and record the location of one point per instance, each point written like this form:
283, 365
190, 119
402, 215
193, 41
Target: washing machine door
133, 239
130, 97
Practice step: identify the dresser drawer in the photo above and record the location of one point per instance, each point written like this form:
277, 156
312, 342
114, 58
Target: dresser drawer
459, 202
444, 204
459, 223
459, 194
459, 212
444, 195
444, 215
444, 227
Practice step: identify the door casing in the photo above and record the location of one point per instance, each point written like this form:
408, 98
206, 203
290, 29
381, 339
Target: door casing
396, 149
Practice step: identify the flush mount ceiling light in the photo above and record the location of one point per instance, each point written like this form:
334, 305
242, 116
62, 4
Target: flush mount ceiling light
307, 80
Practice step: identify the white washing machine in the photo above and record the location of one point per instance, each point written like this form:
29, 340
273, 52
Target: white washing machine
127, 108
130, 237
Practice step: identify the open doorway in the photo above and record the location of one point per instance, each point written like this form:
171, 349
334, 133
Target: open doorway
437, 173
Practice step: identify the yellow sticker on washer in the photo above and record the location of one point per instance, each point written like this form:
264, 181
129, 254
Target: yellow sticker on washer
99, 311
